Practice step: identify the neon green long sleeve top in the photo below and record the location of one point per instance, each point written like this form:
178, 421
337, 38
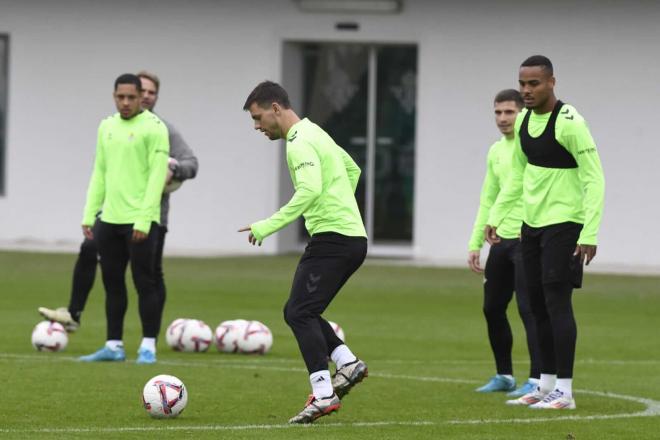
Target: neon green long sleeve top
324, 178
129, 171
556, 195
498, 169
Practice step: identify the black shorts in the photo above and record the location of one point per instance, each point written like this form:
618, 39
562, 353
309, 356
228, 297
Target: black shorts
552, 247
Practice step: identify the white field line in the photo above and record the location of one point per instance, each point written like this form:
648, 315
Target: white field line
260, 360
652, 410
249, 365
212, 427
652, 406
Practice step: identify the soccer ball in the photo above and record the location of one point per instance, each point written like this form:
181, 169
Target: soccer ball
164, 396
228, 333
173, 333
174, 184
195, 336
338, 330
49, 336
256, 339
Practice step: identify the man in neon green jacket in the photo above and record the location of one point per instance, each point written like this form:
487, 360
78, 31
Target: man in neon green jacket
557, 172
325, 178
127, 183
504, 269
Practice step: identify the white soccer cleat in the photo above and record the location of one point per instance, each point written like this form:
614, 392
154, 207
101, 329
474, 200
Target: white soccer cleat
555, 400
348, 376
528, 399
315, 408
62, 316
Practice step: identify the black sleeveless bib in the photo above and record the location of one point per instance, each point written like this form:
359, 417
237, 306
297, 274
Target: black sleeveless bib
544, 151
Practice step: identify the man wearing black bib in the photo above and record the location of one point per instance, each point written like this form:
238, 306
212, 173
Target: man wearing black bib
557, 171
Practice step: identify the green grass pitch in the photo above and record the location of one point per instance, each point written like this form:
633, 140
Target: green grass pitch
420, 330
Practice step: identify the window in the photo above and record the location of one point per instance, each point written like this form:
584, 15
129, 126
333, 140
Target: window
364, 96
4, 60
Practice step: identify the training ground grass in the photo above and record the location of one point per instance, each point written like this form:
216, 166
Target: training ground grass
420, 330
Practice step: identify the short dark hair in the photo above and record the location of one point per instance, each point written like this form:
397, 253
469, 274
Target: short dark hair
129, 78
266, 93
539, 60
510, 95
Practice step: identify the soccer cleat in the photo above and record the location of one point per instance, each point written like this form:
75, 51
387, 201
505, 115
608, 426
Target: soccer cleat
348, 376
315, 408
528, 399
62, 316
105, 355
525, 388
555, 400
146, 356
498, 383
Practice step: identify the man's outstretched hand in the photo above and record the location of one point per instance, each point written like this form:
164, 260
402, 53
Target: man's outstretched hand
251, 238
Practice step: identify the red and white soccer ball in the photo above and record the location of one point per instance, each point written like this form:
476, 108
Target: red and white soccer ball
256, 339
173, 333
228, 333
49, 336
164, 396
195, 336
338, 330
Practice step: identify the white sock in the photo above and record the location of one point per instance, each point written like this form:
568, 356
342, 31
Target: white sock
114, 344
342, 355
149, 344
565, 386
534, 380
321, 384
547, 383
508, 376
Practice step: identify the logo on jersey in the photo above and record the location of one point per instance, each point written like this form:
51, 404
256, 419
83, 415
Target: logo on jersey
303, 165
587, 150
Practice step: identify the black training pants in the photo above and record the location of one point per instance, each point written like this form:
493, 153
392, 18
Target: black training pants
84, 273
160, 277
551, 272
328, 262
504, 275
116, 250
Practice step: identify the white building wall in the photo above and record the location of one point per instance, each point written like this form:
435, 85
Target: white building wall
209, 54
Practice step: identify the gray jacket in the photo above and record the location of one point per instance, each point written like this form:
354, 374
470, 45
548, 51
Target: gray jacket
187, 168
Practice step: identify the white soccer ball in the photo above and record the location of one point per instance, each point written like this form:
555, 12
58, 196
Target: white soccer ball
228, 333
49, 336
195, 336
173, 333
257, 339
174, 184
338, 330
164, 396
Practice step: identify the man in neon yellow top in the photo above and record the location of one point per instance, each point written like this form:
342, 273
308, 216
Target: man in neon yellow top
557, 171
126, 185
504, 271
324, 178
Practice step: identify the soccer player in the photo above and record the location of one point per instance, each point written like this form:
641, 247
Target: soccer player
183, 165
130, 169
325, 178
557, 172
503, 272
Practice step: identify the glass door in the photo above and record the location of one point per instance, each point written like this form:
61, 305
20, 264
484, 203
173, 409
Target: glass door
364, 96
